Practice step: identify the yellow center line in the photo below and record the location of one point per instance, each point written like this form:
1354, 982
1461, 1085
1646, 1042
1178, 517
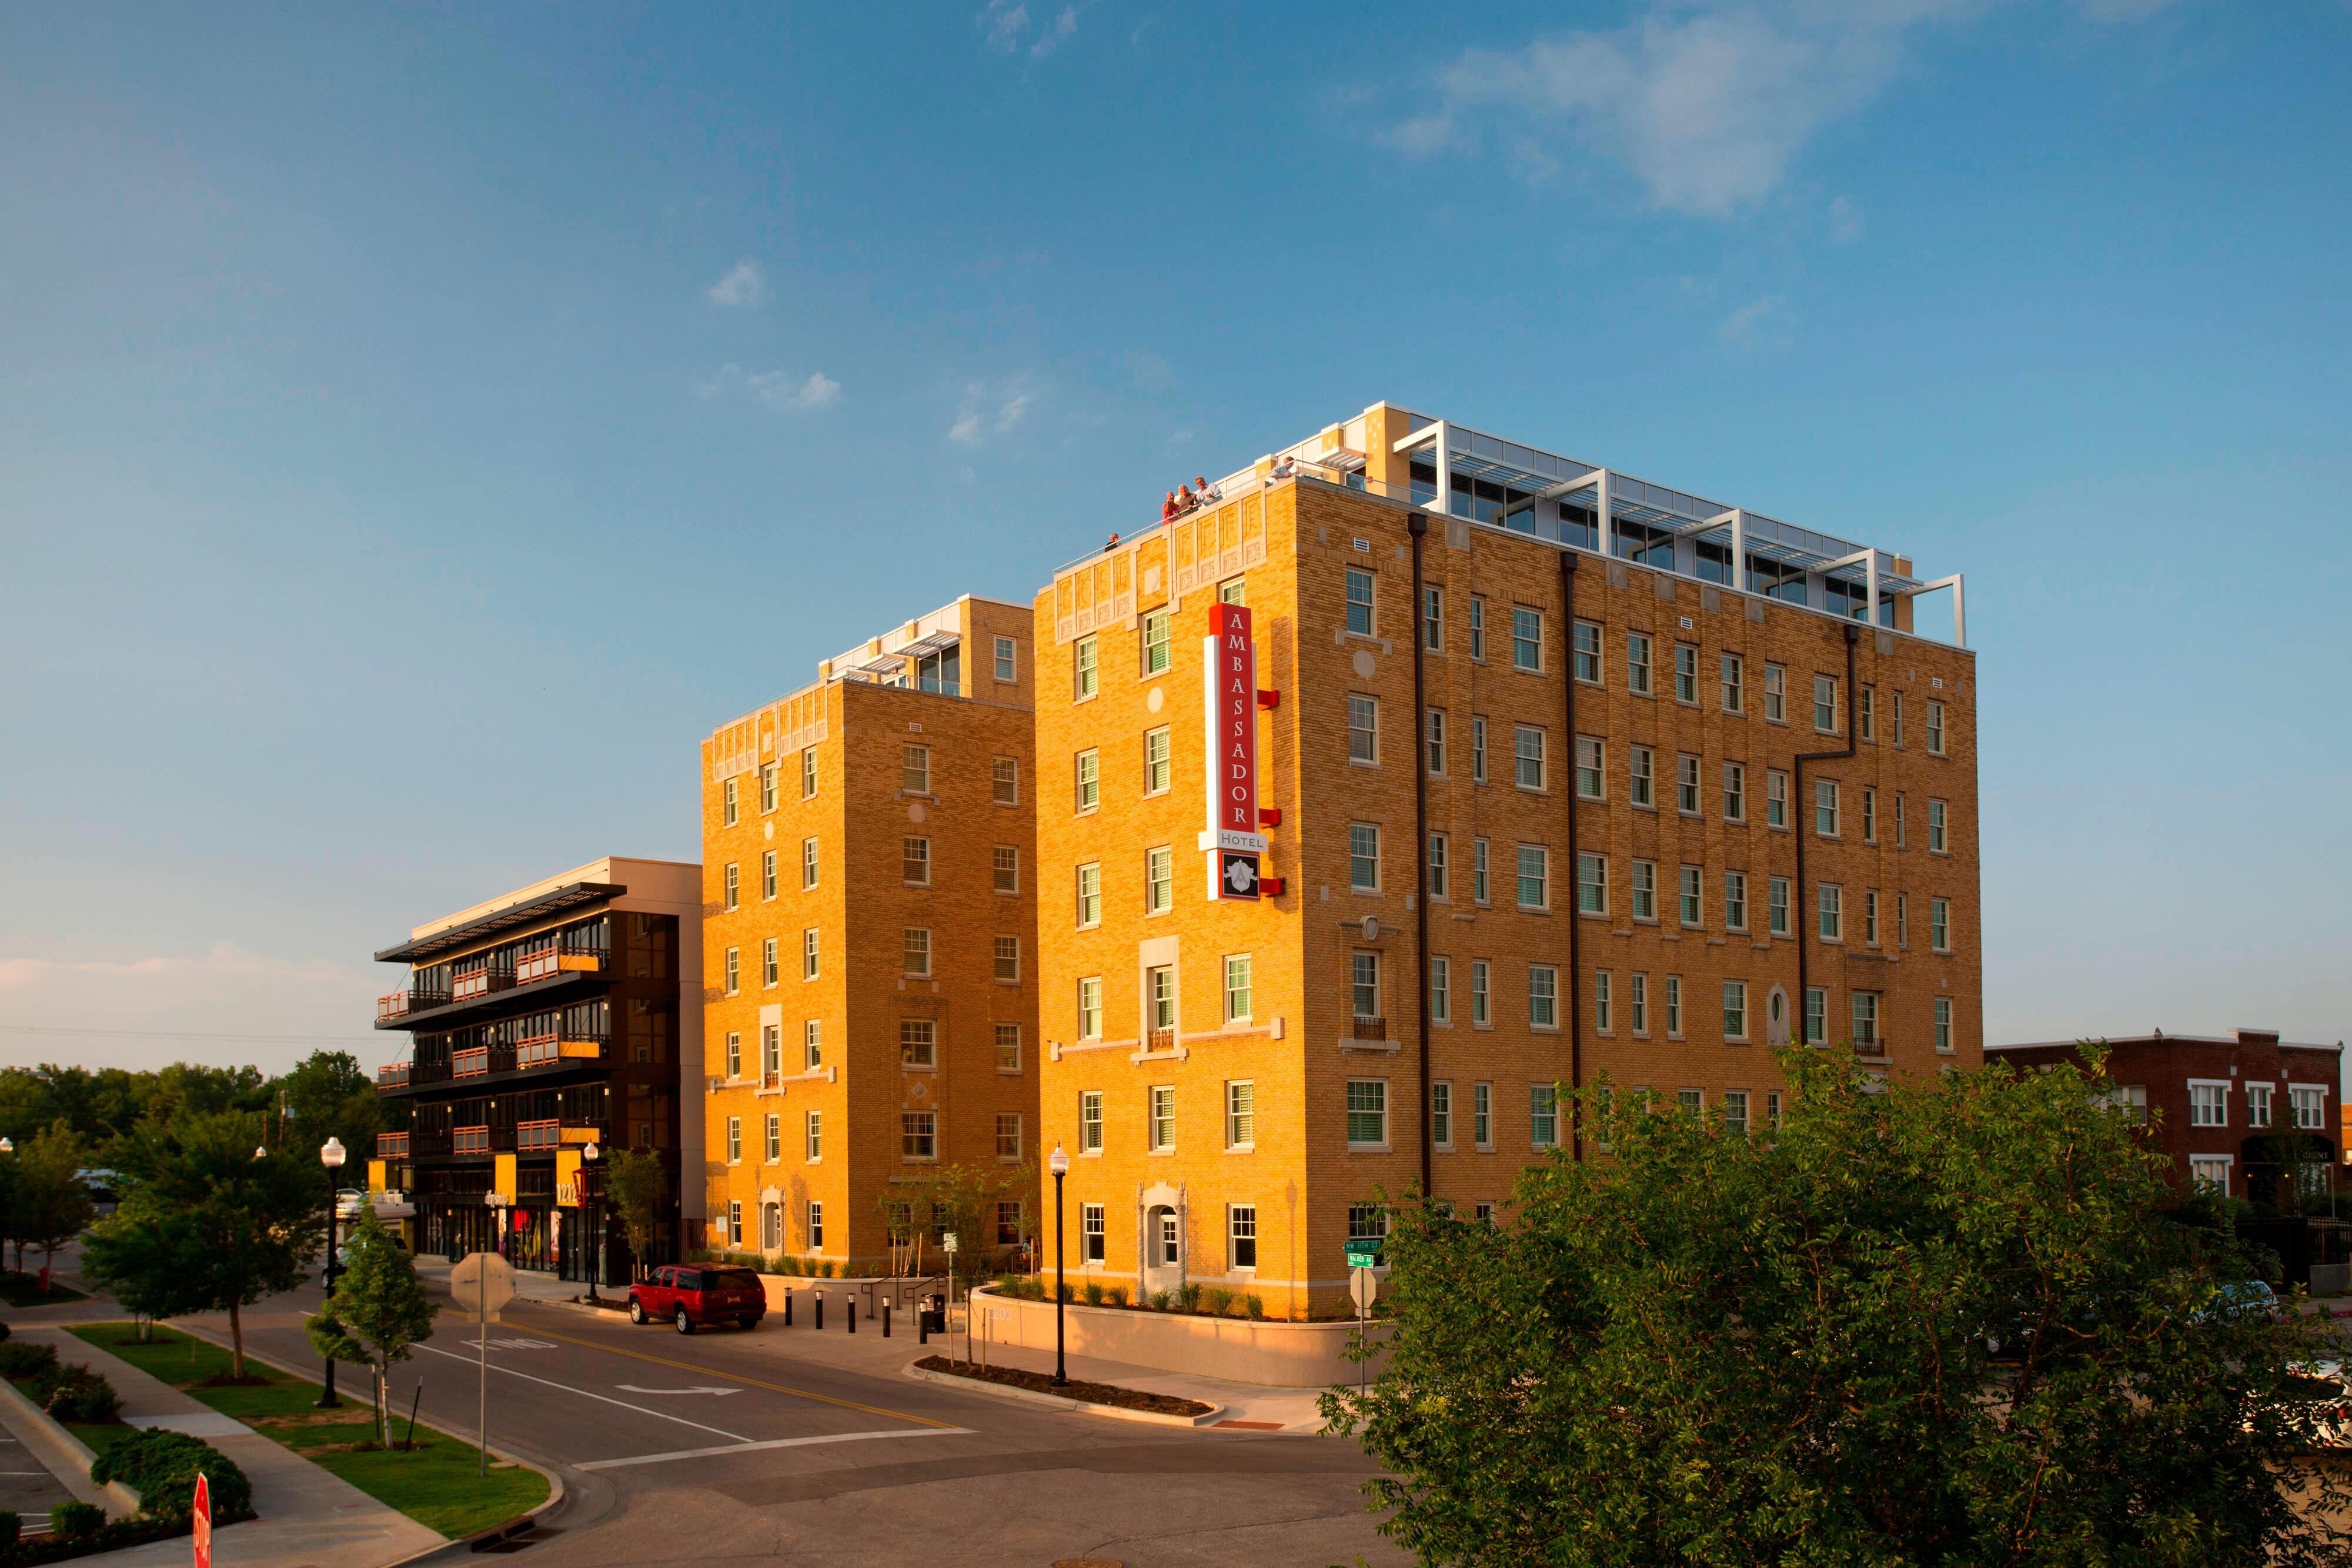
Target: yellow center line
737, 1378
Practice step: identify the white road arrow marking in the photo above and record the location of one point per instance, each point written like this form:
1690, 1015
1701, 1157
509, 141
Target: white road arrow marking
633, 1388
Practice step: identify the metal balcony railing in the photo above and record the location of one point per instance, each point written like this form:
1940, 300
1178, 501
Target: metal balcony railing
466, 984
1370, 1028
530, 1135
470, 1141
560, 959
392, 1145
1161, 1040
559, 1045
414, 999
393, 1075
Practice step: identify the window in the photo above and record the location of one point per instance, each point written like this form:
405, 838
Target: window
808, 772
1735, 1009
1478, 871
771, 1051
1588, 651
1008, 1134
1367, 1222
1004, 780
1543, 997
1162, 1119
1735, 792
1825, 704
1604, 1015
1897, 715
1832, 913
768, 787
1433, 617
1441, 991
1939, 925
1090, 1122
919, 1042
1363, 857
1591, 759
768, 962
915, 861
1645, 890
1433, 740
726, 803
1090, 1008
1865, 713
1935, 729
1007, 668
1363, 728
917, 947
1687, 673
813, 1137
1364, 984
1241, 1236
1005, 868
734, 1140
1368, 1112
1086, 680
1735, 900
1734, 1111
2211, 1171
811, 1044
1008, 1219
1865, 1022
734, 1222
1008, 1047
1592, 884
729, 879
1477, 750
1903, 921
1479, 998
1901, 841
2209, 1104
1535, 877
1007, 957
1156, 769
808, 954
2310, 1102
1477, 627
1944, 1023
1155, 642
1092, 1232
1160, 993
1734, 675
1690, 1102
915, 769
1772, 1110
1776, 693
1870, 916
734, 971
1543, 1116
1234, 591
1817, 1015
1441, 1113
1637, 663
1639, 780
2258, 1105
1776, 798
1675, 1006
1158, 880
808, 863
1690, 897
1482, 1115
1777, 905
1528, 744
1360, 602
1437, 865
1825, 808
733, 1056
1937, 843
1527, 639
768, 874
815, 1226
1686, 785
1238, 996
1869, 815
919, 1134
1637, 1002
1240, 1114
1087, 771
1090, 895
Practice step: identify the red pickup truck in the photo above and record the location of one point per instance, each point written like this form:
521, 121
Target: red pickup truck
689, 1295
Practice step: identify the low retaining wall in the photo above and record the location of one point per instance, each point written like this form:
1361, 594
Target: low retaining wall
1275, 1354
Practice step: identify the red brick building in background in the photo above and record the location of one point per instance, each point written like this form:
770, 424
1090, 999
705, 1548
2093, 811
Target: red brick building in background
2228, 1111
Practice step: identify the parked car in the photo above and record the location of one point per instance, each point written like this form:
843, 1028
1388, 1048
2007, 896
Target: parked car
2241, 1298
343, 1249
689, 1295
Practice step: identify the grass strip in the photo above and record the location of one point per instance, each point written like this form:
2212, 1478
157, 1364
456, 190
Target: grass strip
434, 1484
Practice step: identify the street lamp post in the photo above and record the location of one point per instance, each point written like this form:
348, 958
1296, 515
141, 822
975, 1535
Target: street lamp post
1060, 1166
588, 1206
330, 1155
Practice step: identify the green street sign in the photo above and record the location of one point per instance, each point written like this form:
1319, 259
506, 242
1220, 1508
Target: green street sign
1363, 1254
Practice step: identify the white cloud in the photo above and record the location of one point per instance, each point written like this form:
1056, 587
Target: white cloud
783, 389
1053, 37
987, 413
1758, 324
744, 284
1002, 25
1845, 223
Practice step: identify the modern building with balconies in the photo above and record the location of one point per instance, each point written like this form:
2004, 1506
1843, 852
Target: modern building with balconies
543, 1021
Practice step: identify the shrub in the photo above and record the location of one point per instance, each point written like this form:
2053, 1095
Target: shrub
1008, 1285
1094, 1292
1256, 1307
1065, 1293
82, 1395
19, 1360
75, 1520
1160, 1301
1188, 1296
1216, 1301
1118, 1294
825, 1269
12, 1529
162, 1467
5, 1332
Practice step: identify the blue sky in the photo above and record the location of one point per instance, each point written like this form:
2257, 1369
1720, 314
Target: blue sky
419, 426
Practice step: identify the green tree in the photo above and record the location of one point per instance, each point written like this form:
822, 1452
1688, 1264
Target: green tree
637, 1185
377, 1311
148, 1259
1923, 1322
251, 1217
330, 1096
951, 1198
48, 1200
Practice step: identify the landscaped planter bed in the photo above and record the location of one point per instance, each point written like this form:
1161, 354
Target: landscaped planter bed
1084, 1393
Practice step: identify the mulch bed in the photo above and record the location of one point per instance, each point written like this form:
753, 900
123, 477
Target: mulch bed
1088, 1393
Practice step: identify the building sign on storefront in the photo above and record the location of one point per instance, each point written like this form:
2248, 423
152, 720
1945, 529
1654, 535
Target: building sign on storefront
1229, 694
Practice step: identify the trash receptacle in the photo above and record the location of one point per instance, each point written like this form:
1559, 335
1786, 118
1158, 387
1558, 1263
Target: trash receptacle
935, 1314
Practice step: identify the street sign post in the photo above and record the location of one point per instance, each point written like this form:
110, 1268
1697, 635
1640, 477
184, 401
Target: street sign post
481, 1283
1364, 1288
202, 1518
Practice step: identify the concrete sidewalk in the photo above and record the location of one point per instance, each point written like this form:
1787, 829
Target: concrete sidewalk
308, 1517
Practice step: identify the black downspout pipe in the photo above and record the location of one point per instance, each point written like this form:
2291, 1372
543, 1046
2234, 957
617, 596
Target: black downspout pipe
1808, 924
1576, 893
1417, 525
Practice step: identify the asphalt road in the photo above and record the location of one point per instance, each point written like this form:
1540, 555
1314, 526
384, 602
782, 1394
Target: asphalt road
728, 1447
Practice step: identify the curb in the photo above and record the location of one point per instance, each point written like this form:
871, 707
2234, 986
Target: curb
63, 1452
1006, 1391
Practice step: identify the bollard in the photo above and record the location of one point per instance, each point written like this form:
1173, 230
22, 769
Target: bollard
922, 1324
852, 1312
820, 1311
788, 1309
885, 1317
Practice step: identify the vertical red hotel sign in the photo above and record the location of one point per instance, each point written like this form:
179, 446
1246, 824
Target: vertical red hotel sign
1229, 689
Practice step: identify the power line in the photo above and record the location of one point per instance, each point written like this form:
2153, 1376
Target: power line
182, 1034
